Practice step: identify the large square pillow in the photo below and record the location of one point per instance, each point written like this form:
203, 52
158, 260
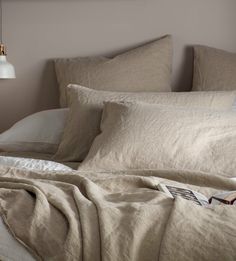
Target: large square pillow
83, 123
40, 132
146, 68
214, 70
150, 136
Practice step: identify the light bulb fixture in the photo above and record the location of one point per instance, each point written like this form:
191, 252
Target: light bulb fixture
7, 70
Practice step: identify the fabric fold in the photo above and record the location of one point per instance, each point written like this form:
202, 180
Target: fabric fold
115, 215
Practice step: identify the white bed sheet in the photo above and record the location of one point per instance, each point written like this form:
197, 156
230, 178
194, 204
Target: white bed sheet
33, 164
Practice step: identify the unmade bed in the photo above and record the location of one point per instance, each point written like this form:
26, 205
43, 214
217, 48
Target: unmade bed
81, 182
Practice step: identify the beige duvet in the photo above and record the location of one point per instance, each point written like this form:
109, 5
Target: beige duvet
116, 216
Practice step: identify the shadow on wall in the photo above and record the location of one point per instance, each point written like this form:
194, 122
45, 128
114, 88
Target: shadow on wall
49, 87
185, 75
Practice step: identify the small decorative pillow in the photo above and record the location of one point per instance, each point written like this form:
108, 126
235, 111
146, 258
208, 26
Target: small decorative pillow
146, 68
86, 110
149, 136
40, 132
214, 70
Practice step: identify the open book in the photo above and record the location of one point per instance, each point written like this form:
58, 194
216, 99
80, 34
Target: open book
228, 197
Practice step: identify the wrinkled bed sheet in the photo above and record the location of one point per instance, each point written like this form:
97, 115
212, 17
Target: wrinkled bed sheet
41, 156
32, 164
116, 216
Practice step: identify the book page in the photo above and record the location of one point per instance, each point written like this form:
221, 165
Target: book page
185, 193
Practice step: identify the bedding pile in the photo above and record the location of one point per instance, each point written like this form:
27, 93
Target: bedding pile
116, 216
86, 109
124, 134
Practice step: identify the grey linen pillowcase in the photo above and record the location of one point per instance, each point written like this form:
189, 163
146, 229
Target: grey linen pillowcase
150, 136
86, 105
214, 69
145, 68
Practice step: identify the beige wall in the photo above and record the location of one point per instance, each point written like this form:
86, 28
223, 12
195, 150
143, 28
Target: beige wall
37, 30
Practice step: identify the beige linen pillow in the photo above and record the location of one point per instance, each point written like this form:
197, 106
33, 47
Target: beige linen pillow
214, 70
146, 68
86, 110
149, 136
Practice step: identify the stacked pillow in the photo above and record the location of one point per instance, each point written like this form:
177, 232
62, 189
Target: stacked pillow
83, 123
134, 130
128, 118
146, 68
150, 136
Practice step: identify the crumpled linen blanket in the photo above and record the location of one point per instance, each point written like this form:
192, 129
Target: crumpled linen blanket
116, 216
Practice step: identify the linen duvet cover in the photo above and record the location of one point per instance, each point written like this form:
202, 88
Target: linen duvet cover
114, 216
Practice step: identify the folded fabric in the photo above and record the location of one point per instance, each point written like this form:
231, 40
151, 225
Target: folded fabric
83, 123
148, 136
115, 216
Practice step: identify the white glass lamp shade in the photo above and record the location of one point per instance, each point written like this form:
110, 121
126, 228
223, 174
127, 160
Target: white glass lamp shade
7, 70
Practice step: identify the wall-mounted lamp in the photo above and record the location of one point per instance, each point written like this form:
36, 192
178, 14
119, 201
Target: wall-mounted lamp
7, 70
